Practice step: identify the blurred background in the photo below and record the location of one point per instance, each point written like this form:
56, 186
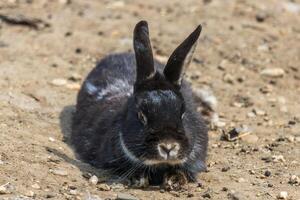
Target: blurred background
248, 56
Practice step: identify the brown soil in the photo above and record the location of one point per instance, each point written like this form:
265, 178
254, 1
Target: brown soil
240, 39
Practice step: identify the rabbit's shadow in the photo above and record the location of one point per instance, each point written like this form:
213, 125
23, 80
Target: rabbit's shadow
65, 121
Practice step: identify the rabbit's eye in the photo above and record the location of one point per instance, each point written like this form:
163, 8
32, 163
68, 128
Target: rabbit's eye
142, 117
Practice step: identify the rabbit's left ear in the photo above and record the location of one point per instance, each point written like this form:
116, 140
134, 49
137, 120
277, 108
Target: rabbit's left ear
143, 52
181, 58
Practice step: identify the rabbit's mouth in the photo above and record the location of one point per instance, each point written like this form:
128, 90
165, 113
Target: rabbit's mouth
163, 160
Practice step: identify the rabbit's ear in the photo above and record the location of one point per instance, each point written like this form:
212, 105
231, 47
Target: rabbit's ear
181, 58
143, 52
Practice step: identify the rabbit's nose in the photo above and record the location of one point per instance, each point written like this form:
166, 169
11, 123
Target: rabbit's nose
168, 150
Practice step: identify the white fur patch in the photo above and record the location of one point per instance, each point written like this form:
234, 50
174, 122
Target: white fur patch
118, 88
126, 150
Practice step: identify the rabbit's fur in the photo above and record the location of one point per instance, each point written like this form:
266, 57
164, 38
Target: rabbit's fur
137, 118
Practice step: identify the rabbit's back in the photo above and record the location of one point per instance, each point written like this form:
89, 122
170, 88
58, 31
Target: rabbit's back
101, 97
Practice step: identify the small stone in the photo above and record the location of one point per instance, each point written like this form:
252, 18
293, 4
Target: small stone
29, 194
273, 72
261, 16
64, 2
283, 109
78, 50
263, 48
75, 77
117, 186
251, 139
73, 86
103, 187
225, 169
282, 195
223, 65
4, 190
241, 180
94, 180
224, 189
59, 172
219, 124
278, 158
36, 186
125, 196
294, 180
59, 82
73, 192
236, 133
267, 173
270, 185
51, 139
292, 7
228, 78
234, 195
291, 138
259, 112
251, 114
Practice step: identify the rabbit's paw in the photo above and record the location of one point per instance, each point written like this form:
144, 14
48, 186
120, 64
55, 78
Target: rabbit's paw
140, 182
175, 181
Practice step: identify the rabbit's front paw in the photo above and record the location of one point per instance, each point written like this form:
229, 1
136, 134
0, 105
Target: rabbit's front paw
140, 182
175, 181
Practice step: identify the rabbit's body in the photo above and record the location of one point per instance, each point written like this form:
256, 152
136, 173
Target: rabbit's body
138, 127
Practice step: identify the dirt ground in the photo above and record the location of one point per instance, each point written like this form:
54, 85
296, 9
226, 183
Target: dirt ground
42, 65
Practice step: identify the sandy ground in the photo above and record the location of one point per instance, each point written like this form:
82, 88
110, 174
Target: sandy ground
41, 70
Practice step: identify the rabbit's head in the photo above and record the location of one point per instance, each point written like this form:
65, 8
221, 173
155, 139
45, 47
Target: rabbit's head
156, 122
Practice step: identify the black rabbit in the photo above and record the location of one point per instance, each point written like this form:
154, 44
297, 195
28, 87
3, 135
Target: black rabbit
137, 118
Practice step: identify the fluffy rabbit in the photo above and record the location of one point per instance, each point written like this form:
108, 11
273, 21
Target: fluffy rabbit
137, 118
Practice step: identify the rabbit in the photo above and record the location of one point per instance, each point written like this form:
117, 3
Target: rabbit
137, 118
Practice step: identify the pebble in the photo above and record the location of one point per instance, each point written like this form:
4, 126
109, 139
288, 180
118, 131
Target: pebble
278, 158
251, 139
282, 195
225, 169
75, 77
36, 186
73, 192
259, 112
273, 72
125, 196
59, 172
263, 48
294, 180
234, 195
228, 78
6, 188
51, 139
64, 2
241, 180
94, 180
104, 187
267, 173
73, 86
283, 109
292, 7
236, 133
251, 114
261, 16
29, 193
59, 82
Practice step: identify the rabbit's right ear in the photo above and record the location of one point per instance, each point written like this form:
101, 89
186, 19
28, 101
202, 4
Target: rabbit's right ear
181, 58
143, 52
